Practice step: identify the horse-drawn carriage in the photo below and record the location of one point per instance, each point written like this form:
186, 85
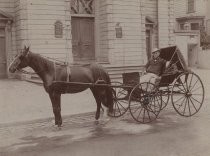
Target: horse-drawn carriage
146, 100
143, 100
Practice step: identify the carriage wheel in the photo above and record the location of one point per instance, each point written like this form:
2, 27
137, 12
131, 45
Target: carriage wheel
165, 96
120, 98
145, 102
187, 94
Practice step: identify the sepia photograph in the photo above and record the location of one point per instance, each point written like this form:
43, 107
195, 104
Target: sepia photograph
104, 77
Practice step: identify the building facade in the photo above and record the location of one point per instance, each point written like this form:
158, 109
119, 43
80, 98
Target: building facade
191, 18
116, 33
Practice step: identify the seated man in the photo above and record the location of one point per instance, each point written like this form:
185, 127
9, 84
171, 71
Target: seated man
154, 67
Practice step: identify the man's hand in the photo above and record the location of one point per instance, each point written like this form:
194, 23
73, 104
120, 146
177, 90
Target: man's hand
167, 63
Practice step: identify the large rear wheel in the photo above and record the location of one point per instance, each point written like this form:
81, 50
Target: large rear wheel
145, 102
187, 94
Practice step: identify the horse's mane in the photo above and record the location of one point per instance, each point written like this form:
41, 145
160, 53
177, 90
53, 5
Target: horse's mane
44, 62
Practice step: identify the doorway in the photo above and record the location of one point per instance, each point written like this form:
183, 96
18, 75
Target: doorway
192, 55
3, 62
148, 43
83, 47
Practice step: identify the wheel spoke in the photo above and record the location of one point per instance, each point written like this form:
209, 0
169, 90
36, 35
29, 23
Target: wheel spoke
148, 114
193, 104
121, 104
189, 106
139, 112
183, 84
186, 78
179, 99
119, 109
144, 116
196, 89
136, 109
181, 104
191, 80
184, 108
183, 91
196, 100
194, 85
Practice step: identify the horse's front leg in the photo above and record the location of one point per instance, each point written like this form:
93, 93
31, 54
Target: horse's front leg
97, 116
56, 105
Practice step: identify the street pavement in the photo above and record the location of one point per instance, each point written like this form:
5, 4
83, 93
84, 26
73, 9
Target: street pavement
27, 128
25, 101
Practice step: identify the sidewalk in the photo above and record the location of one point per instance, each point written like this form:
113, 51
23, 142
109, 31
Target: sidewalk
25, 101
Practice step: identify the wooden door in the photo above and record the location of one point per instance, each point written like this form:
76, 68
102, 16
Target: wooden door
3, 67
83, 48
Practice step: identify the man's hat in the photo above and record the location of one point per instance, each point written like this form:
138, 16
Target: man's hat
154, 50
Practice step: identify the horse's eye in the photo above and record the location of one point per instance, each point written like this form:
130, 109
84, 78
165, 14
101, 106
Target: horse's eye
21, 57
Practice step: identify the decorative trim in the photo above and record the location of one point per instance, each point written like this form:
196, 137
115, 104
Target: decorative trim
7, 16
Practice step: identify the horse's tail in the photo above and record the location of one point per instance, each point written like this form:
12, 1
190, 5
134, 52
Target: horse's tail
99, 73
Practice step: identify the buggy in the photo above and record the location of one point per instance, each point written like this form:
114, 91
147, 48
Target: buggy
146, 100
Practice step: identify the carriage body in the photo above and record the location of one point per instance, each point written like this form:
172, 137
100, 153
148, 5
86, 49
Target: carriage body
178, 83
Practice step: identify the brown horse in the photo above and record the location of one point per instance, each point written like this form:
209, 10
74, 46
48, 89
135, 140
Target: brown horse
51, 72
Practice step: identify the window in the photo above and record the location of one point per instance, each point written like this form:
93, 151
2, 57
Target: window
181, 26
58, 29
194, 26
191, 6
82, 6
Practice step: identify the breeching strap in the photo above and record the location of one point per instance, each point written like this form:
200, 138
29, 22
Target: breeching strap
68, 72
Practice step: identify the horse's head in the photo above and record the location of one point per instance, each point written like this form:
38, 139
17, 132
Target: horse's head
20, 61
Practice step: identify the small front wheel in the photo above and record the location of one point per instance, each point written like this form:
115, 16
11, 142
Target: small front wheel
120, 99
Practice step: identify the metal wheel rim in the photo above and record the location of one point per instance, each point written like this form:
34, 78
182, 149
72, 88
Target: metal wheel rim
120, 106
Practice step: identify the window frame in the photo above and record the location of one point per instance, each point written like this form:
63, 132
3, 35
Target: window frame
194, 6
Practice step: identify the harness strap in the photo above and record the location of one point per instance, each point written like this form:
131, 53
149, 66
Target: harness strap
68, 73
54, 70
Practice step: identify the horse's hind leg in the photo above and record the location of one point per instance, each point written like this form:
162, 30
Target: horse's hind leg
56, 104
98, 102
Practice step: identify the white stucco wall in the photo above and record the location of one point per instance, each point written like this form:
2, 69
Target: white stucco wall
203, 59
188, 38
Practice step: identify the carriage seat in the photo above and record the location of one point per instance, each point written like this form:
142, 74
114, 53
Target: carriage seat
168, 76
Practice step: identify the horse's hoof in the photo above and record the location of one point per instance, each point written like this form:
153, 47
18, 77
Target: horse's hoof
59, 127
96, 122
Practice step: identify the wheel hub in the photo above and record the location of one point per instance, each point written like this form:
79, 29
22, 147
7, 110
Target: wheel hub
188, 94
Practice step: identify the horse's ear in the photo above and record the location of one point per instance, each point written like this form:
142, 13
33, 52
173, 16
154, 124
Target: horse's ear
25, 51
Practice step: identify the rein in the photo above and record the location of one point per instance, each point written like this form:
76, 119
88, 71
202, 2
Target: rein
31, 73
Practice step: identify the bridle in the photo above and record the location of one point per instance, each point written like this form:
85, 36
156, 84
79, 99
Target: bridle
24, 71
27, 72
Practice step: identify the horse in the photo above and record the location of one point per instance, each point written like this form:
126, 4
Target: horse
51, 71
